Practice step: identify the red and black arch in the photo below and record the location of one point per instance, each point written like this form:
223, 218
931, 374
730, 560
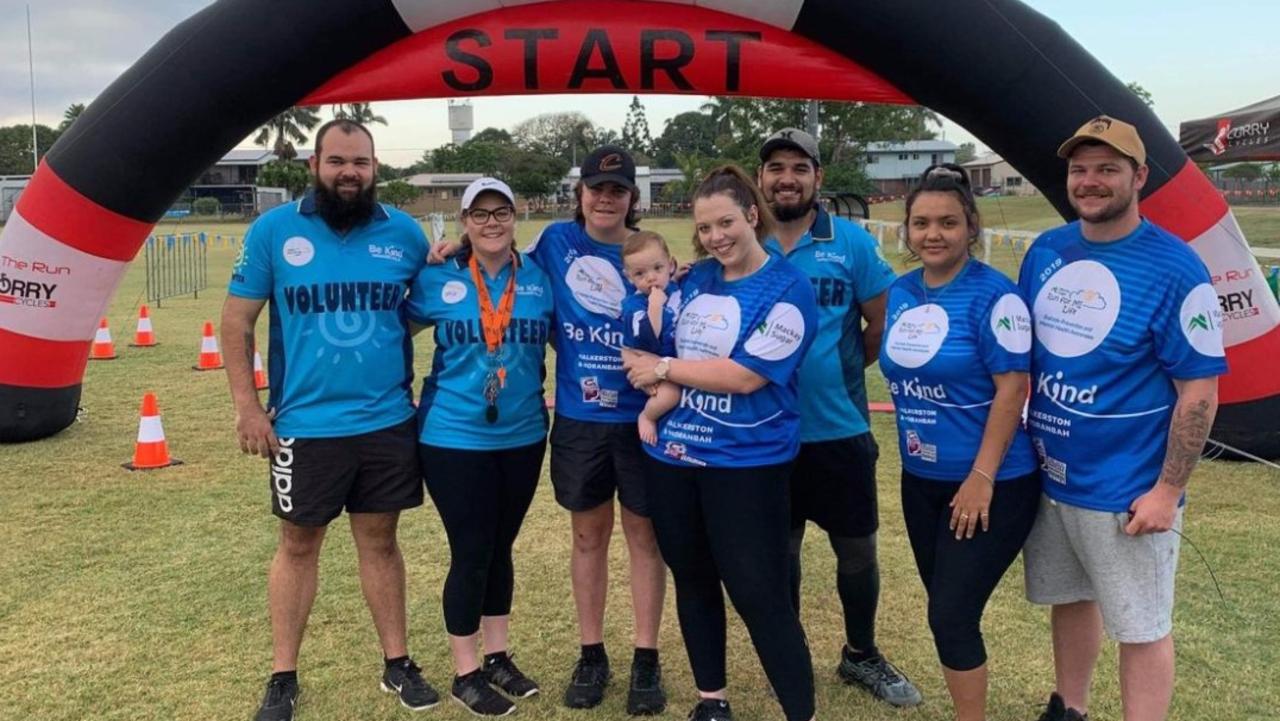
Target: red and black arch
215, 78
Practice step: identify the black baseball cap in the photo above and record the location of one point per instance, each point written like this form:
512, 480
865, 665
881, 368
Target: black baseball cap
791, 139
609, 164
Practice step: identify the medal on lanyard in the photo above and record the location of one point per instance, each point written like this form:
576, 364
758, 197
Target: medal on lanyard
494, 323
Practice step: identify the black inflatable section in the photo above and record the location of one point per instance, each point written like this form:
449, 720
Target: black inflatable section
29, 414
1009, 75
1249, 426
211, 81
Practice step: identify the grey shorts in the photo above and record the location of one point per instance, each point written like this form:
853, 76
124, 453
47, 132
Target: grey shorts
1077, 554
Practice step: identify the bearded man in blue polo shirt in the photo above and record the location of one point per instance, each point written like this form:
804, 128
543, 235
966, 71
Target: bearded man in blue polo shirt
833, 483
339, 424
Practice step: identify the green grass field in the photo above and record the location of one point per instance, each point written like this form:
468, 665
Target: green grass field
142, 595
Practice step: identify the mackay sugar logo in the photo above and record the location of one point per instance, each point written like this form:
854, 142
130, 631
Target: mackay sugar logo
1201, 321
1005, 323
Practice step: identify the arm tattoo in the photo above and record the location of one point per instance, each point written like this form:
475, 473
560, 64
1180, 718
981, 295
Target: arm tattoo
1187, 434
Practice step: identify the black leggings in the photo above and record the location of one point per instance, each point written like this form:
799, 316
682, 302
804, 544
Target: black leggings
959, 576
482, 497
730, 526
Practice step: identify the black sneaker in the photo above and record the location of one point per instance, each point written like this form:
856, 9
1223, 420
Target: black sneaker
646, 697
880, 677
278, 703
474, 692
405, 680
1057, 710
711, 709
501, 671
586, 688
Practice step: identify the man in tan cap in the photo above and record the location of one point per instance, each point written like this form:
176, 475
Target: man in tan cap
1127, 351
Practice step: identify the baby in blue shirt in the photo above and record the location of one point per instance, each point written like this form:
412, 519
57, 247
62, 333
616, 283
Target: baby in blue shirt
649, 317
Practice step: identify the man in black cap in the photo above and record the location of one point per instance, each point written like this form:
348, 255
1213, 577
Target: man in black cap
834, 480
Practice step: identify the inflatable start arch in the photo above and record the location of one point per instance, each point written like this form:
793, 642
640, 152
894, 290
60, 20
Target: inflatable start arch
223, 72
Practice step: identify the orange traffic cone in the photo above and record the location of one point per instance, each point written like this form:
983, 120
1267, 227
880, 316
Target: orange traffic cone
259, 375
144, 337
102, 348
210, 357
151, 450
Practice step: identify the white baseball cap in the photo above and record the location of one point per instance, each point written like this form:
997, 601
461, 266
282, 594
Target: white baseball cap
483, 185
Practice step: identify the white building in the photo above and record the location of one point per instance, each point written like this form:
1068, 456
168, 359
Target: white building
994, 172
895, 168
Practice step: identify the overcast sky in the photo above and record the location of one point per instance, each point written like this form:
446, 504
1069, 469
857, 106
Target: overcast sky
1197, 58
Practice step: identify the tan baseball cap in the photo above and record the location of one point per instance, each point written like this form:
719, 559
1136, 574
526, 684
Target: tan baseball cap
1106, 129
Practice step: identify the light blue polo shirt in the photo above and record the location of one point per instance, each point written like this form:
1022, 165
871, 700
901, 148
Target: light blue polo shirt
340, 361
845, 267
452, 408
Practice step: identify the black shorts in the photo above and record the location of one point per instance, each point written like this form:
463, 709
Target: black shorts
313, 479
590, 461
834, 485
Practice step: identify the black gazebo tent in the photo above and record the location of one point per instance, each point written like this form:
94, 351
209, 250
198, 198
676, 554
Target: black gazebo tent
1249, 133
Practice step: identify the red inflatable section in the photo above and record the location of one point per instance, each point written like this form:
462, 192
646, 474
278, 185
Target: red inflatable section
1191, 208
688, 50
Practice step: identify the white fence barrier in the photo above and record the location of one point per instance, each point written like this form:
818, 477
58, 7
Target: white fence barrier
1019, 240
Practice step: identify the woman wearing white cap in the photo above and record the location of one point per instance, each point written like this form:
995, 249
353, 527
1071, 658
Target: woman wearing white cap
483, 431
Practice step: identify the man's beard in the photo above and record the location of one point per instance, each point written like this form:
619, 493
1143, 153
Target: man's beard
1115, 208
787, 213
341, 213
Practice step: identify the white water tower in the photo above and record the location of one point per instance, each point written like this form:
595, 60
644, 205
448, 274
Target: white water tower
461, 120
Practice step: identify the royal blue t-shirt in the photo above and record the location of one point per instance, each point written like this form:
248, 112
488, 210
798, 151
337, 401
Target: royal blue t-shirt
452, 409
589, 287
940, 349
340, 361
844, 264
637, 331
765, 323
1115, 323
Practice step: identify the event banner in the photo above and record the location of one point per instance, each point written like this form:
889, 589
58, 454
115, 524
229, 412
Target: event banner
1248, 134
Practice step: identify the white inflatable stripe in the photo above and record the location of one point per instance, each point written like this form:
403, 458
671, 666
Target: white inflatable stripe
77, 284
1250, 309
420, 15
149, 430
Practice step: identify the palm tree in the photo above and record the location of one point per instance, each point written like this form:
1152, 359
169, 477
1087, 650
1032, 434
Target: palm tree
69, 117
358, 112
288, 127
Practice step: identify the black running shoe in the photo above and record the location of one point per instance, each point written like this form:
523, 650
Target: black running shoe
586, 688
499, 670
278, 703
474, 692
880, 677
711, 709
1057, 710
405, 680
646, 697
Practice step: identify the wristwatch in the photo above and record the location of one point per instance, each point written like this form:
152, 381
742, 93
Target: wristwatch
661, 368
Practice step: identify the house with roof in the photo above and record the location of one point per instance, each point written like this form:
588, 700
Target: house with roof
894, 168
993, 173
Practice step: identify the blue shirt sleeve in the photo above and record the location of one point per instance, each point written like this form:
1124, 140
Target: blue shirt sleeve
872, 274
252, 277
1004, 332
775, 347
421, 291
1187, 326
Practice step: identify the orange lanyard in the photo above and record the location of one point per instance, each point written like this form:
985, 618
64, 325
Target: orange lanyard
494, 323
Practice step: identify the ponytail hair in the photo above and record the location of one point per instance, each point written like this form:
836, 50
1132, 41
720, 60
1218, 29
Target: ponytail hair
732, 181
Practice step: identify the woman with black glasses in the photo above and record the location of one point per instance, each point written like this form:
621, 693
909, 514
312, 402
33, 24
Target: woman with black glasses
956, 353
483, 431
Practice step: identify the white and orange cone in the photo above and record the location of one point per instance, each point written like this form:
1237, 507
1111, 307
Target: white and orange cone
151, 450
210, 356
102, 348
259, 375
144, 336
